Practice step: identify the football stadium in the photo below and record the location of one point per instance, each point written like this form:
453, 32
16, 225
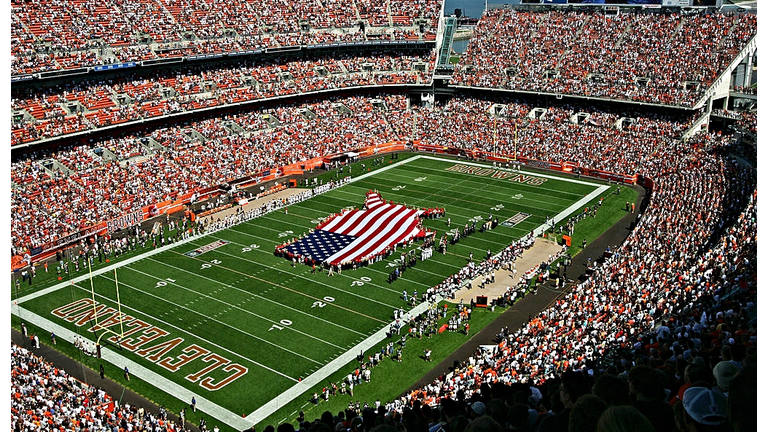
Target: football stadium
326, 216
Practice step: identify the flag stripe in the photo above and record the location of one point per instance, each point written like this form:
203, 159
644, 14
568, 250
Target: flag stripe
360, 218
380, 242
382, 213
359, 234
382, 233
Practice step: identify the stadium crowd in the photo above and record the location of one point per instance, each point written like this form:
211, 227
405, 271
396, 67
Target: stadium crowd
121, 174
679, 294
666, 317
660, 58
51, 35
745, 120
682, 76
84, 105
45, 398
93, 182
662, 336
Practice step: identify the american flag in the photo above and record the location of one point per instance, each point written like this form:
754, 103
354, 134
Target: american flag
359, 234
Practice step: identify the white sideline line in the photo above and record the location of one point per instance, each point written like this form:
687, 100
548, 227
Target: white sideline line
309, 382
575, 206
187, 331
109, 268
547, 176
170, 246
157, 380
334, 365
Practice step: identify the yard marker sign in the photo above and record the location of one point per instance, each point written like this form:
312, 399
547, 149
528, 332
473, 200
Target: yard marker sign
207, 248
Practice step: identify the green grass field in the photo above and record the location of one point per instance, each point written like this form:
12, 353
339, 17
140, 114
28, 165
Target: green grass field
251, 337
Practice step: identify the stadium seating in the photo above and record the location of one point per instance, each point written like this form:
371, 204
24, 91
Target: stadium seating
206, 153
678, 257
88, 105
656, 58
52, 35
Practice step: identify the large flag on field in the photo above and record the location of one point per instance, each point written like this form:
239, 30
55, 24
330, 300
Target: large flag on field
356, 235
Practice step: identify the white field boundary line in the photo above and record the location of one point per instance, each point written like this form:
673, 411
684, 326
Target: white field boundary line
181, 330
220, 413
315, 378
599, 189
231, 306
573, 207
320, 375
530, 202
109, 268
137, 370
536, 174
474, 181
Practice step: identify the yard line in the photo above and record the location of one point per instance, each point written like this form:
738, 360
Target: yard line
478, 182
345, 274
156, 319
310, 280
261, 297
479, 179
243, 310
460, 197
543, 175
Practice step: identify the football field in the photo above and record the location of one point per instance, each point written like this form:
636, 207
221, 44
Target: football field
221, 318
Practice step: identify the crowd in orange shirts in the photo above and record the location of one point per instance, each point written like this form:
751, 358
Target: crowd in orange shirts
678, 295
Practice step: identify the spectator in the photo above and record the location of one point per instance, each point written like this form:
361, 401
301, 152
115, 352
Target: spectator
623, 418
611, 389
586, 413
645, 384
741, 404
724, 373
705, 410
573, 386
